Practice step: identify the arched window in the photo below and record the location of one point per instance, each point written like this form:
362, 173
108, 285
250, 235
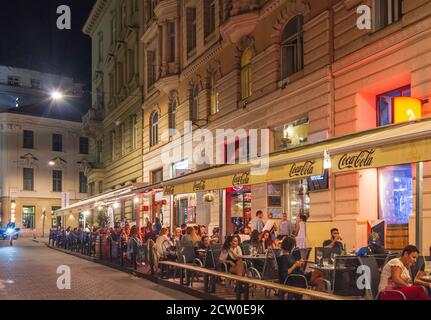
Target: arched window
292, 47
194, 103
172, 111
246, 73
213, 96
154, 128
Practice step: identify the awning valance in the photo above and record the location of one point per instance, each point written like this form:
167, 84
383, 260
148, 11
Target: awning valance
407, 142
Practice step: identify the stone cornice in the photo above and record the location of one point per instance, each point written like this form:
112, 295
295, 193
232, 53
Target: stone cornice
201, 60
96, 14
166, 10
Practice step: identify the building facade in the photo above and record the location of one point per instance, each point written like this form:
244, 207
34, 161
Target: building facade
305, 70
114, 121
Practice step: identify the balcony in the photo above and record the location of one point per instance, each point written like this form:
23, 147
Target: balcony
166, 9
241, 18
168, 83
92, 121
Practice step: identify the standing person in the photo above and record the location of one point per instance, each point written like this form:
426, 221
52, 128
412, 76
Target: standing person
177, 235
396, 275
271, 226
285, 228
301, 232
158, 225
257, 222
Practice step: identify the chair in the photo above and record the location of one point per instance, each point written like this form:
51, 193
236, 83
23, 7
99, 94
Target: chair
346, 276
304, 254
296, 280
391, 295
326, 253
371, 263
380, 259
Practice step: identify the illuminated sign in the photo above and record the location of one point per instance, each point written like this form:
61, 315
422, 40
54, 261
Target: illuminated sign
407, 109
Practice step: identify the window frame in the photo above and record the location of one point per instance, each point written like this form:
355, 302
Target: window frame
154, 128
57, 181
82, 149
191, 29
296, 41
83, 182
245, 64
209, 15
24, 143
57, 146
28, 182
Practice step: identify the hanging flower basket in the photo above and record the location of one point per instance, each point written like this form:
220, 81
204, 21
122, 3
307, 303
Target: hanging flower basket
209, 197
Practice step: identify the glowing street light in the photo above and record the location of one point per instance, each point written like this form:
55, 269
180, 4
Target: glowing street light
51, 163
57, 95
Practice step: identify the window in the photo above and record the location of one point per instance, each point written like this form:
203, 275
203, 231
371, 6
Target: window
213, 96
111, 87
152, 6
28, 179
179, 168
172, 111
134, 130
171, 41
83, 145
131, 60
100, 47
100, 186
387, 12
191, 29
36, 83
291, 134
57, 179
28, 217
157, 176
385, 106
82, 182
124, 15
113, 29
291, 47
246, 73
209, 17
99, 150
113, 145
28, 139
99, 98
123, 138
57, 142
91, 190
194, 103
120, 73
154, 127
151, 67
13, 81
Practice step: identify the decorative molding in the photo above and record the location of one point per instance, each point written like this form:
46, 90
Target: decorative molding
166, 10
150, 33
28, 161
199, 62
168, 83
238, 26
96, 15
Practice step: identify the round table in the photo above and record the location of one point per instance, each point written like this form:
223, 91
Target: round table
426, 278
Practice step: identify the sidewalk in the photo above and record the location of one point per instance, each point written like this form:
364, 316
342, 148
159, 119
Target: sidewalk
44, 240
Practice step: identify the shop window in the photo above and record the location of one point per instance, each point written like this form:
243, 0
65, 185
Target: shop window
239, 210
385, 105
396, 194
291, 47
299, 199
275, 192
291, 134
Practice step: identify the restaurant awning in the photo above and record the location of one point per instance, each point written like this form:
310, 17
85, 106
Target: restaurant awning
407, 142
89, 203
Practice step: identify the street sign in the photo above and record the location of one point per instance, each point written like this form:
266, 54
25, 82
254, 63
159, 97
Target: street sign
65, 197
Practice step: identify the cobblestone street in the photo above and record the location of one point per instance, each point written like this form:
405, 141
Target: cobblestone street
28, 271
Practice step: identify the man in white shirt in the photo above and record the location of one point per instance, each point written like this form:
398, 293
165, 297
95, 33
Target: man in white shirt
257, 222
285, 228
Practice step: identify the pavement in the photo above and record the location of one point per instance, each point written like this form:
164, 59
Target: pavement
28, 271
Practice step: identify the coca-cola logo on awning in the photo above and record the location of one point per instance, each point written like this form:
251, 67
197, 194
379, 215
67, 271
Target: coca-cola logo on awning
299, 170
199, 185
240, 179
168, 189
361, 159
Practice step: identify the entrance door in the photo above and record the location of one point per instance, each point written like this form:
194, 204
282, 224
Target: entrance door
28, 217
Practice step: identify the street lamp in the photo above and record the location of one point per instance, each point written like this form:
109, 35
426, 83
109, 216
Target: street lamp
57, 95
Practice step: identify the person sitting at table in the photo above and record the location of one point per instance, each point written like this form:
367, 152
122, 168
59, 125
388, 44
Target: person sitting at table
279, 240
335, 243
163, 243
202, 230
231, 255
396, 275
187, 238
289, 264
245, 235
373, 247
177, 235
265, 240
215, 237
254, 241
204, 243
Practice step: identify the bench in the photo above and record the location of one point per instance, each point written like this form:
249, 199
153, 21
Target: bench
249, 281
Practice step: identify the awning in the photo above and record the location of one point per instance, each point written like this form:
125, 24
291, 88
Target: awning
407, 142
91, 202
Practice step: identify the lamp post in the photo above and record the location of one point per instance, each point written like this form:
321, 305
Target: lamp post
43, 223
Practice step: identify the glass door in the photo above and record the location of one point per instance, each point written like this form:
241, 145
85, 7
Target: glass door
28, 217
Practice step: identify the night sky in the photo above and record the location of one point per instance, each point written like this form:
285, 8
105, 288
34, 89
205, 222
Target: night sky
29, 37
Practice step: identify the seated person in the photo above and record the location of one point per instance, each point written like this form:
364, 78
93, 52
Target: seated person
335, 242
204, 243
396, 275
245, 236
288, 264
266, 241
177, 235
231, 254
215, 237
279, 240
163, 243
373, 247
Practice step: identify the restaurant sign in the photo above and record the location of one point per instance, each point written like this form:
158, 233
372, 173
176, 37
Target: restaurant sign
302, 169
395, 154
241, 179
169, 190
199, 185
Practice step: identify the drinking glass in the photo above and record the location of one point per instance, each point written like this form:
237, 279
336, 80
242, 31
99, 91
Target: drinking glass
319, 256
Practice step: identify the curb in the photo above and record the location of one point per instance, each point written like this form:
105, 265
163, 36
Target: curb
165, 283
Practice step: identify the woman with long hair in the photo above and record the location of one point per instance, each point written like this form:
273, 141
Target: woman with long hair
301, 232
231, 255
265, 240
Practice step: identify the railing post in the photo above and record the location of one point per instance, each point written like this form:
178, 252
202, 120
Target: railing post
121, 252
238, 290
110, 249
